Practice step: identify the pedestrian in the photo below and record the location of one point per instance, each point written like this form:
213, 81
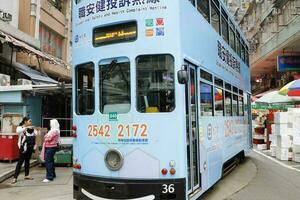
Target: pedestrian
26, 144
50, 146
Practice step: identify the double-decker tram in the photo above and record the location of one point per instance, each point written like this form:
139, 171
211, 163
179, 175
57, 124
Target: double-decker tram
161, 98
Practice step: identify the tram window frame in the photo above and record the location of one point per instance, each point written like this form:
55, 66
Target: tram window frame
224, 25
235, 89
204, 9
219, 82
217, 111
241, 105
193, 2
235, 112
232, 38
85, 71
170, 103
210, 111
228, 86
225, 103
111, 102
206, 75
216, 2
243, 50
238, 43
214, 10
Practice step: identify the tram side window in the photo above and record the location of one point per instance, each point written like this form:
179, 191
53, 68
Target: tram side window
235, 105
243, 51
232, 37
114, 86
155, 83
203, 8
206, 98
241, 106
238, 44
219, 102
225, 26
215, 17
85, 89
228, 103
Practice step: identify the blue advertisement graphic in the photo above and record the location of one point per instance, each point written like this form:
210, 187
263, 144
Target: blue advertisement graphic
288, 63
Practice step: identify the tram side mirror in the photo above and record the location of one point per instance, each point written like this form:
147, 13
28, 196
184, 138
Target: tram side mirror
182, 76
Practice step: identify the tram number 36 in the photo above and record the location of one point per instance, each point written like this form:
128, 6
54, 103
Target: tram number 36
168, 188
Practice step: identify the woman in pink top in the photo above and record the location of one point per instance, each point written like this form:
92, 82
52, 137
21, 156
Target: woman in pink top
50, 145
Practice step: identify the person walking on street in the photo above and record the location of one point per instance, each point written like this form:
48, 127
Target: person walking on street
50, 146
26, 144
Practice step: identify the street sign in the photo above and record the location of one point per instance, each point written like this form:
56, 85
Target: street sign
288, 63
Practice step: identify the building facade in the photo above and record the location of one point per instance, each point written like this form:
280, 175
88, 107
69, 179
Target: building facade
35, 54
272, 28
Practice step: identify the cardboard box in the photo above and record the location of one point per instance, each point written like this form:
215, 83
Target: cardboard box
261, 146
281, 117
282, 153
284, 141
297, 157
283, 129
10, 122
296, 148
273, 150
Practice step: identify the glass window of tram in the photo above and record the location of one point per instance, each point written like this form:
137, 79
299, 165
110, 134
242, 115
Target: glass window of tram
155, 83
115, 86
85, 89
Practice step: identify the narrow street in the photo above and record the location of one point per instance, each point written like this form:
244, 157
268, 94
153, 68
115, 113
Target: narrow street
60, 189
270, 182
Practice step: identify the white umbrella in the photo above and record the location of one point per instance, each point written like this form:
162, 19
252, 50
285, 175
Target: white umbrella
274, 97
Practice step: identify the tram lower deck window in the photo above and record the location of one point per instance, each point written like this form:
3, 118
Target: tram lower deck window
206, 99
155, 83
85, 89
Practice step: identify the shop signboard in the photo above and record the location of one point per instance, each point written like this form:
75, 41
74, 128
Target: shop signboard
288, 63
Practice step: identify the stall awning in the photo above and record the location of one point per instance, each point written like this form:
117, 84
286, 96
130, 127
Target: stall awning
37, 77
20, 44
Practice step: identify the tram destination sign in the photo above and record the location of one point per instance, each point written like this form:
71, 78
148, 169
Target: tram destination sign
116, 33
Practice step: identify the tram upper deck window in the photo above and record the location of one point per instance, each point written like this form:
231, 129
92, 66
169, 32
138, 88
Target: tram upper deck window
203, 8
117, 33
85, 89
114, 85
231, 35
238, 44
155, 83
215, 16
224, 26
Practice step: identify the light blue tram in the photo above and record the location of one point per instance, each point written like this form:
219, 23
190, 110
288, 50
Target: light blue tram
161, 98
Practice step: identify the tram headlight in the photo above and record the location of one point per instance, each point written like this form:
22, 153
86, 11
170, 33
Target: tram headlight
113, 159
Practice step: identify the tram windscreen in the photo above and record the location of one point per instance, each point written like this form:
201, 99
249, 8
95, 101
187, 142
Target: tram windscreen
116, 33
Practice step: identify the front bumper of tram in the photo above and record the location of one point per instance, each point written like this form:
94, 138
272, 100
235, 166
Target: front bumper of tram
90, 187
